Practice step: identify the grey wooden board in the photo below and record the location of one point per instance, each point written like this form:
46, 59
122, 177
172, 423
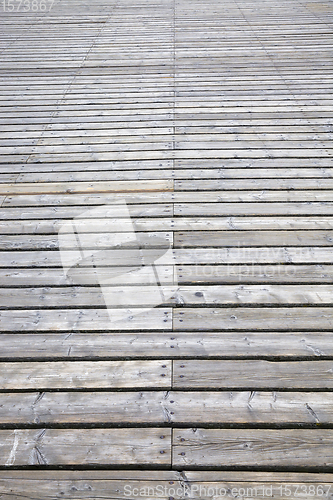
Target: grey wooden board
52, 212
205, 344
234, 255
83, 187
140, 294
190, 408
101, 240
252, 373
213, 202
85, 374
239, 184
38, 226
236, 209
245, 318
120, 484
86, 319
85, 447
274, 448
33, 173
221, 274
252, 238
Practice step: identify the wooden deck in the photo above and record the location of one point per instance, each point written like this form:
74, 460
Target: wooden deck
180, 148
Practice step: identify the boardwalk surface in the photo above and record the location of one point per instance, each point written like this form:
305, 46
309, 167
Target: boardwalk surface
166, 249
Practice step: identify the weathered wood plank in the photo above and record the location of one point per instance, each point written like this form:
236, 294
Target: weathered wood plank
239, 184
206, 344
235, 447
180, 256
245, 318
86, 320
103, 240
252, 373
85, 447
123, 291
85, 374
223, 274
151, 223
190, 408
253, 238
85, 187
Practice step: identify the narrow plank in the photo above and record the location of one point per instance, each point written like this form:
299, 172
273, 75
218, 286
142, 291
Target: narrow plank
85, 447
246, 318
41, 209
114, 238
85, 374
224, 274
190, 408
57, 277
252, 373
205, 344
239, 184
142, 224
235, 209
253, 238
86, 320
183, 256
122, 484
123, 291
85, 187
273, 448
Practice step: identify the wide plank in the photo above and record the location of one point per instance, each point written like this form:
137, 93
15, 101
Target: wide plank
206, 344
252, 374
86, 319
190, 408
85, 447
266, 448
85, 374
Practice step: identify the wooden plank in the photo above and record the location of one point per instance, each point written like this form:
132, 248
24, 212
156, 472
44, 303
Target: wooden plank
217, 239
204, 344
121, 484
86, 187
229, 203
190, 408
85, 447
235, 255
245, 318
86, 320
123, 291
252, 407
142, 224
85, 374
252, 373
235, 447
239, 184
221, 274
236, 209
114, 238
69, 212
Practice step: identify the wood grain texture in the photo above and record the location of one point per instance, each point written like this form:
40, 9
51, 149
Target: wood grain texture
231, 447
212, 121
157, 344
307, 318
85, 447
172, 407
252, 373
106, 484
80, 375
